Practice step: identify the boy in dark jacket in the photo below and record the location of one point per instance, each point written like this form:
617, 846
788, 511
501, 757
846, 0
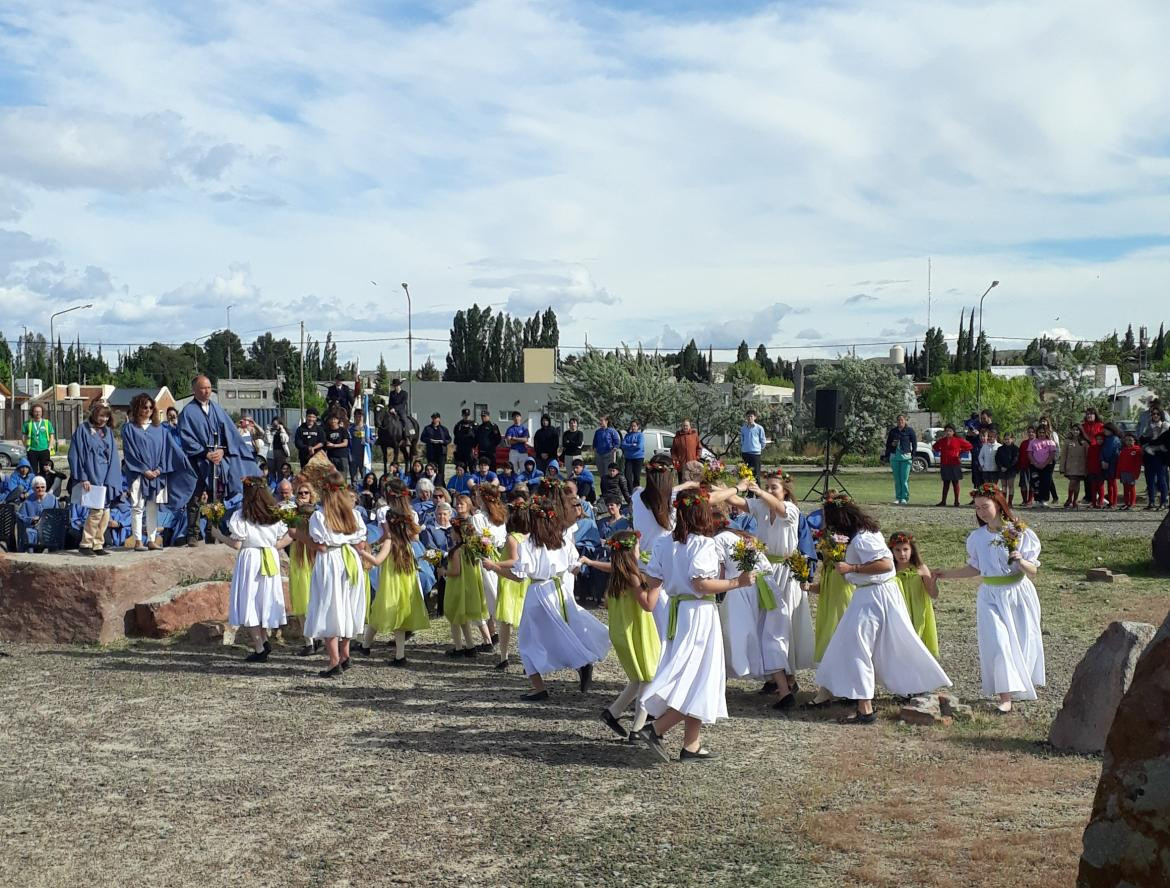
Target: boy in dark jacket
1007, 460
613, 483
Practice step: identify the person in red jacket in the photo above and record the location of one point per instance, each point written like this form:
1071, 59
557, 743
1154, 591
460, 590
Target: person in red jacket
1094, 475
950, 449
1129, 469
686, 447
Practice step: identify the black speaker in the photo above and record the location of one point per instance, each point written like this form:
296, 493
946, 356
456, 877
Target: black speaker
829, 409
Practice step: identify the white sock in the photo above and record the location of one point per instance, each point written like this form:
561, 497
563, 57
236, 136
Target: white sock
457, 636
625, 698
505, 639
640, 713
370, 634
468, 638
400, 644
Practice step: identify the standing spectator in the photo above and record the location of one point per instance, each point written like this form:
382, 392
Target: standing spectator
487, 439
633, 455
340, 396
95, 468
950, 448
1129, 469
1110, 453
1042, 455
1155, 426
751, 443
988, 448
435, 438
517, 438
278, 453
40, 440
310, 437
1007, 461
361, 438
1025, 467
546, 442
606, 442
572, 442
1094, 477
1091, 425
463, 434
613, 484
901, 442
337, 444
1074, 465
686, 446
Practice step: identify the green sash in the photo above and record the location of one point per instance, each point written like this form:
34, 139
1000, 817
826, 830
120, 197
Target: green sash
1002, 581
767, 598
675, 601
268, 562
352, 566
561, 592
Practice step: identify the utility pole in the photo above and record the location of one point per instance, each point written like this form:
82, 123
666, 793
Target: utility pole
926, 358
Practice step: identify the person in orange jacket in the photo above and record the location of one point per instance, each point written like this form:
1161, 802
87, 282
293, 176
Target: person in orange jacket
686, 447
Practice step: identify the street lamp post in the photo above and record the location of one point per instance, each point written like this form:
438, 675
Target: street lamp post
409, 350
979, 351
53, 342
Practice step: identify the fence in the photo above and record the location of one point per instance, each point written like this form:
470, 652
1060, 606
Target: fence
65, 417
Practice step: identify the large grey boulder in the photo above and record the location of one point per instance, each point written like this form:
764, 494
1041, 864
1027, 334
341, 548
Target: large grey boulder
1098, 684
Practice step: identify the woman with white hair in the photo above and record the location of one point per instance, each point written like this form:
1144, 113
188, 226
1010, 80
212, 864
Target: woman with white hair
31, 511
424, 501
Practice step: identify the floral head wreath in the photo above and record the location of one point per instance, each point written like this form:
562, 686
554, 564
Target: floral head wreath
901, 538
834, 496
780, 475
542, 507
691, 498
659, 466
987, 490
614, 543
334, 487
394, 518
250, 481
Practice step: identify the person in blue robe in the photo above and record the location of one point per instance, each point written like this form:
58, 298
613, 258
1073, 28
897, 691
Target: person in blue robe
426, 570
29, 514
118, 529
214, 448
94, 462
18, 486
156, 469
805, 542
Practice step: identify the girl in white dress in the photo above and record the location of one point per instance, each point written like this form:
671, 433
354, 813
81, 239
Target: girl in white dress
492, 517
875, 640
690, 683
784, 623
554, 633
337, 588
256, 600
1006, 555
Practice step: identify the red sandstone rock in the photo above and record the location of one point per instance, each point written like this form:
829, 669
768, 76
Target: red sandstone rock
1127, 841
61, 597
206, 633
181, 607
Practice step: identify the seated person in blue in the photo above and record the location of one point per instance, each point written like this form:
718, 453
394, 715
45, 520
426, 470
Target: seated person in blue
742, 519
18, 486
531, 474
590, 584
460, 482
483, 473
613, 520
29, 514
586, 507
585, 481
424, 500
506, 478
118, 530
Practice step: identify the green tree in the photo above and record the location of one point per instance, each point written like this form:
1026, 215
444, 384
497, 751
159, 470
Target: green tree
766, 364
382, 378
172, 367
550, 334
745, 371
428, 372
329, 366
1159, 343
1065, 388
216, 349
742, 353
623, 385
269, 358
718, 410
135, 378
1012, 402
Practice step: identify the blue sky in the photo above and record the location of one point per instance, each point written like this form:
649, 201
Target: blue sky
778, 172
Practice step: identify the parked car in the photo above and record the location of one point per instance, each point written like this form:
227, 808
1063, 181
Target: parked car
10, 454
658, 441
502, 451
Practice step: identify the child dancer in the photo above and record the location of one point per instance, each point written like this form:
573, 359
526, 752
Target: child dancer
300, 561
464, 604
874, 641
399, 606
552, 634
338, 585
740, 611
1005, 555
256, 599
834, 592
491, 519
950, 448
918, 588
690, 683
510, 595
1129, 469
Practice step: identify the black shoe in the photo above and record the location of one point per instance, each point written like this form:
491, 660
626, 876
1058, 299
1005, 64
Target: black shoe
788, 701
770, 687
470, 653
330, 673
257, 657
586, 674
653, 742
612, 723
101, 552
699, 755
454, 653
484, 648
503, 664
400, 661
409, 635
85, 553
306, 651
344, 664
495, 638
316, 644
267, 646
535, 697
793, 687
361, 649
859, 719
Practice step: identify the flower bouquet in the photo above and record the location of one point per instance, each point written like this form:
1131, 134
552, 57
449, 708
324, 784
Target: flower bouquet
831, 547
799, 566
289, 515
745, 473
715, 472
478, 547
213, 512
1011, 535
433, 557
746, 553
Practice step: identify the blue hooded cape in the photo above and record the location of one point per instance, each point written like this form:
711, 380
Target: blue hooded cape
93, 457
15, 482
154, 447
31, 510
201, 432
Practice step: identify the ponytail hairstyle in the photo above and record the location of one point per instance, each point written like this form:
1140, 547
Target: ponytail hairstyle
626, 573
400, 530
901, 538
693, 515
845, 517
546, 525
337, 504
259, 507
656, 491
493, 506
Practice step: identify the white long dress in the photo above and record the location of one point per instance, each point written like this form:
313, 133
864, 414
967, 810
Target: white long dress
786, 632
255, 599
554, 632
337, 607
739, 615
1007, 618
692, 673
491, 581
661, 557
875, 640
652, 532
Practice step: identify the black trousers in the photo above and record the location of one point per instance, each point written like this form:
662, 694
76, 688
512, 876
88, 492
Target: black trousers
438, 456
632, 469
753, 461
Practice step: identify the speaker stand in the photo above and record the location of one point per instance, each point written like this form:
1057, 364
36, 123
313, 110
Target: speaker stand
821, 485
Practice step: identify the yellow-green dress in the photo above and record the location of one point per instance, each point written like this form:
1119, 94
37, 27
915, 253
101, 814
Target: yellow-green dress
834, 598
300, 571
398, 606
463, 598
510, 595
634, 635
920, 606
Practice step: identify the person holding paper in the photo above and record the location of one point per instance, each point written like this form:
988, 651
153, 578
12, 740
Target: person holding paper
95, 471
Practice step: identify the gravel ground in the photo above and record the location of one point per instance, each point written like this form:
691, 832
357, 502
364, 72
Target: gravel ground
167, 765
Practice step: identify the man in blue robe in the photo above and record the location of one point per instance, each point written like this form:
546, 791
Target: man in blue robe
215, 450
30, 512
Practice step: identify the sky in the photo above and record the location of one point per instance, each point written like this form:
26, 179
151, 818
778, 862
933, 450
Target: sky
655, 171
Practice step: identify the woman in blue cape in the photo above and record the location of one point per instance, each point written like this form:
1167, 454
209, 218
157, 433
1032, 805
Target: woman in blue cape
94, 464
157, 472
